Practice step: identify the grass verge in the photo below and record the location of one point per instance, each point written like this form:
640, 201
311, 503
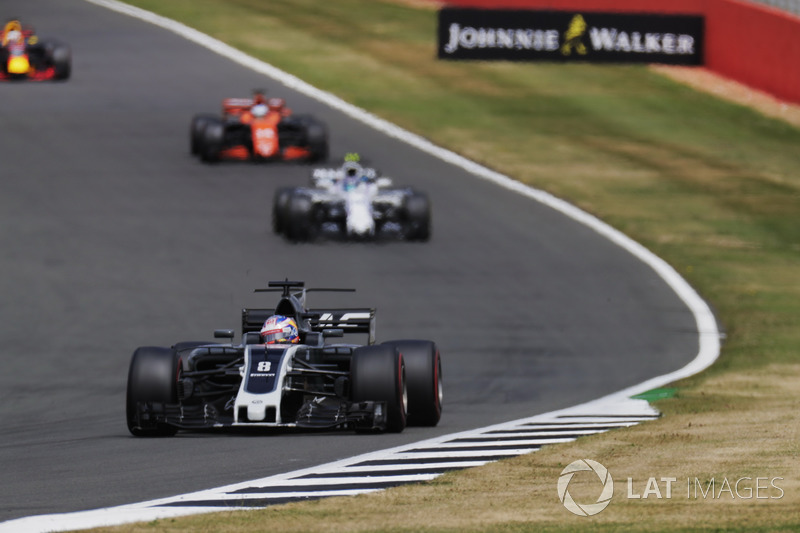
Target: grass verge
710, 186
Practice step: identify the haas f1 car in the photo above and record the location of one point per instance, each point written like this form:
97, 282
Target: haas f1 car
258, 129
23, 56
351, 202
307, 383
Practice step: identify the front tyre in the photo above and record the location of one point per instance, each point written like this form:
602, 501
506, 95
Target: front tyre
423, 380
152, 379
377, 374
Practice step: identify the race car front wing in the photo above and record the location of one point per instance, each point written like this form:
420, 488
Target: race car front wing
317, 413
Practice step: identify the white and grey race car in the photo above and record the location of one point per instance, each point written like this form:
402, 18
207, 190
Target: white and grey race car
351, 202
310, 384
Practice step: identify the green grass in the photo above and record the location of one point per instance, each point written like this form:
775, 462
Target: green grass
710, 186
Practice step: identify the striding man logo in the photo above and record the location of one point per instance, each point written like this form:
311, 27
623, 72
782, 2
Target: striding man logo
572, 37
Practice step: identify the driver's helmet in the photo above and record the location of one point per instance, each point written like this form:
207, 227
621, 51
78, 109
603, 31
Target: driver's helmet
352, 173
279, 329
259, 106
12, 32
259, 110
13, 36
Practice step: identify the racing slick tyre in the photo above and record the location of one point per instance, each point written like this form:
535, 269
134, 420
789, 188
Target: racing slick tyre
377, 374
212, 140
196, 130
423, 380
60, 56
62, 62
316, 137
152, 377
300, 220
280, 209
418, 217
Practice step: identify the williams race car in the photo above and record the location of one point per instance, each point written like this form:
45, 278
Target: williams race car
285, 374
23, 56
351, 202
257, 129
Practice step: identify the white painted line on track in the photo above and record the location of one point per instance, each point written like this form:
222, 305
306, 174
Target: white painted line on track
614, 409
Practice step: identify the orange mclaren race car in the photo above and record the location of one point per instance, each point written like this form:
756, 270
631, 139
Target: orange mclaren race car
23, 56
258, 129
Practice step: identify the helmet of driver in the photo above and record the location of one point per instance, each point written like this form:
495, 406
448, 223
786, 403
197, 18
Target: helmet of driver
259, 110
279, 329
352, 169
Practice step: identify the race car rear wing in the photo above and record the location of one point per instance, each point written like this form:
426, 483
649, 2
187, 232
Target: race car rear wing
357, 320
236, 105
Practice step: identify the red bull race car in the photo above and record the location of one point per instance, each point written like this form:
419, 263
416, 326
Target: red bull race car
23, 56
258, 129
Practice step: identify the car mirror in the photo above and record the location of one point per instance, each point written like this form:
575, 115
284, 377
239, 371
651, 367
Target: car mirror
223, 333
332, 333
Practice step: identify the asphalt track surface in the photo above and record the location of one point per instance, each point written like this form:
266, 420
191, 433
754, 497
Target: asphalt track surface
113, 237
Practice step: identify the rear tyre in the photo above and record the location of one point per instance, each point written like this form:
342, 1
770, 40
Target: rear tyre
152, 377
316, 136
423, 380
280, 209
377, 374
196, 129
62, 62
59, 55
212, 140
300, 219
418, 217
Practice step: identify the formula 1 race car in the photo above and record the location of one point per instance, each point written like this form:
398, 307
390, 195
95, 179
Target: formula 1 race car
258, 129
23, 56
297, 382
351, 202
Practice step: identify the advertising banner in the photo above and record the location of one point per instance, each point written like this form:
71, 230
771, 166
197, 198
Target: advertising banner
525, 35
